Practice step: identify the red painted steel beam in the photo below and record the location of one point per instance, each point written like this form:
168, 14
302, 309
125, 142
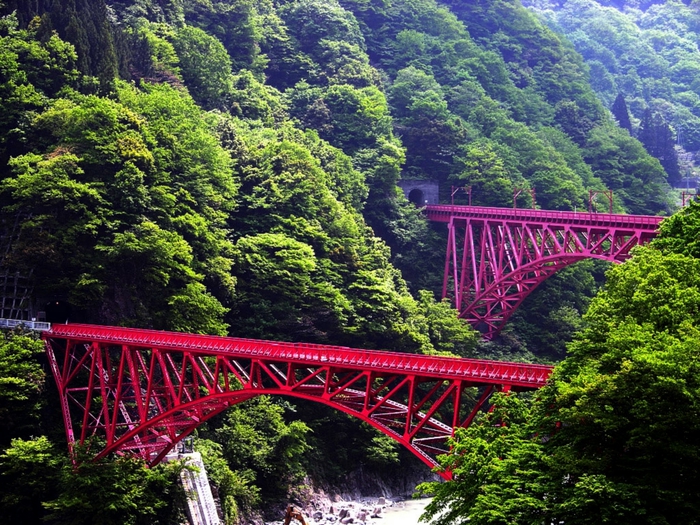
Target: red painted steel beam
141, 391
444, 213
497, 256
524, 375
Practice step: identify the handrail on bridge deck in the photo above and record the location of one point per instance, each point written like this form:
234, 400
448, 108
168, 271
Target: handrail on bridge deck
40, 326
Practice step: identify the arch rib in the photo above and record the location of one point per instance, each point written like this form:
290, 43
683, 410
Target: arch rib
141, 391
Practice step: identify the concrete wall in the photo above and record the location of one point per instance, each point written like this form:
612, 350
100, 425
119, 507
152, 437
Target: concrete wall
420, 192
201, 508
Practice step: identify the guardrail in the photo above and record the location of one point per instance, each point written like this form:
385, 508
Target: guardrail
40, 326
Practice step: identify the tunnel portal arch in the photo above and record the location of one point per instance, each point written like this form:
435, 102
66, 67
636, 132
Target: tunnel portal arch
421, 192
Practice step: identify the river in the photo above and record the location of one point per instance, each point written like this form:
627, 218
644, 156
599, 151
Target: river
404, 512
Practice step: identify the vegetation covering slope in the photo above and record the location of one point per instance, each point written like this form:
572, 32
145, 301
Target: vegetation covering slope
644, 60
230, 167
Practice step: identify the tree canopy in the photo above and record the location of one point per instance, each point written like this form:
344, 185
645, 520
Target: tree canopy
643, 54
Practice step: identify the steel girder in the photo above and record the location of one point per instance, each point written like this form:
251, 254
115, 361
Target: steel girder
497, 256
142, 391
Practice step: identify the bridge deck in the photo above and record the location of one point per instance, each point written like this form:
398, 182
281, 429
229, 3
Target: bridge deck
497, 256
518, 375
443, 213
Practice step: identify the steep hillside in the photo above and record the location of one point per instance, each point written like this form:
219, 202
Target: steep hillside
645, 64
231, 167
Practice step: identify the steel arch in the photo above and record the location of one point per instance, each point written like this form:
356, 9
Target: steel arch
490, 310
141, 391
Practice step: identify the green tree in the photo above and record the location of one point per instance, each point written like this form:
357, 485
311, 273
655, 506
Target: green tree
86, 26
21, 383
428, 130
118, 491
255, 437
657, 138
346, 63
41, 484
549, 68
626, 168
621, 114
150, 186
360, 117
233, 23
448, 333
487, 175
206, 67
622, 396
30, 471
573, 121
680, 233
235, 488
279, 292
253, 100
494, 467
311, 22
649, 59
32, 70
153, 57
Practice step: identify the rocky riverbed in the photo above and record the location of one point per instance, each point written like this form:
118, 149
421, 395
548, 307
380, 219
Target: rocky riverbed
365, 511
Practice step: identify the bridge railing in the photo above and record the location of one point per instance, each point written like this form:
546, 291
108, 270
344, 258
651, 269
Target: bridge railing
40, 326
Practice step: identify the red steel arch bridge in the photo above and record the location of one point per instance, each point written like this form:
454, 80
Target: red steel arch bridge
142, 391
497, 256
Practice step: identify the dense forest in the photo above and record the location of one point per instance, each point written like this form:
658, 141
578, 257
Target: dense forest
230, 167
643, 59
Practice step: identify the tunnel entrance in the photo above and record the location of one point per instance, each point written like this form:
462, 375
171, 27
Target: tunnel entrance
416, 197
57, 311
420, 192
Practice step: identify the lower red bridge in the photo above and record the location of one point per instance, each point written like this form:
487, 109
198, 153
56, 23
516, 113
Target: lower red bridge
142, 391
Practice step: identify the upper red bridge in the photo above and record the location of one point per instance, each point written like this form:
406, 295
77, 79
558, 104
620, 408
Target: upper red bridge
142, 391
497, 256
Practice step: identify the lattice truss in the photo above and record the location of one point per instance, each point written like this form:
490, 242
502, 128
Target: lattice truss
492, 264
141, 391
